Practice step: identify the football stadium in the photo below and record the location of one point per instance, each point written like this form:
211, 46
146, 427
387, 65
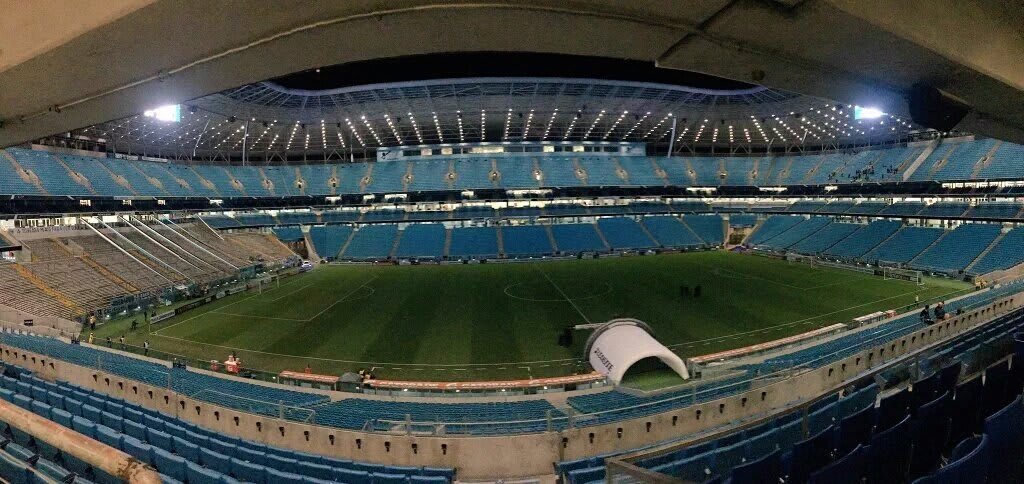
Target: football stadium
539, 242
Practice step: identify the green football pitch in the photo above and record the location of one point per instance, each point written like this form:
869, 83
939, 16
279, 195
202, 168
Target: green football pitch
502, 321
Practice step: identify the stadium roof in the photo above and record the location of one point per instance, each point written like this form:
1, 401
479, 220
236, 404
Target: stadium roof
287, 122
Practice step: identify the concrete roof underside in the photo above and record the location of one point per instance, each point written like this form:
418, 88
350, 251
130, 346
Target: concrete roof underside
75, 67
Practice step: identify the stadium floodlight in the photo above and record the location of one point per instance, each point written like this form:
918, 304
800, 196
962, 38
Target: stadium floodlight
170, 113
866, 113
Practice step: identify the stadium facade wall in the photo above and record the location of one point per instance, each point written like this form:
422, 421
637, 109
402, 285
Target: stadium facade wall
47, 325
517, 455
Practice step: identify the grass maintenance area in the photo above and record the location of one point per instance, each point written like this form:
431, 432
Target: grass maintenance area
502, 321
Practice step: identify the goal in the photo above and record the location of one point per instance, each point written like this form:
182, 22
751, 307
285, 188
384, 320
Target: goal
801, 259
902, 274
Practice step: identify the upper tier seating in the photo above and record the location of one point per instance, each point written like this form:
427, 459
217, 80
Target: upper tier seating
944, 210
997, 210
296, 218
904, 245
422, 241
952, 160
957, 249
52, 175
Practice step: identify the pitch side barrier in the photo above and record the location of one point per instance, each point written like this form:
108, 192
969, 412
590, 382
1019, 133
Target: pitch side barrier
520, 455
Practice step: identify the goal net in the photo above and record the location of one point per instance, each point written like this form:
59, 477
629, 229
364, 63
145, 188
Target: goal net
902, 274
801, 259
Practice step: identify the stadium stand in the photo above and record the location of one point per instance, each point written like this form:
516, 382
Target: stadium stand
796, 233
1005, 254
904, 245
288, 234
742, 220
328, 240
371, 242
709, 228
526, 241
864, 239
474, 242
422, 241
669, 231
826, 238
577, 238
957, 249
772, 227
624, 233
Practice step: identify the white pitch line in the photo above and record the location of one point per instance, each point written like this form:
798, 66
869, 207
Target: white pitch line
566, 296
258, 317
292, 292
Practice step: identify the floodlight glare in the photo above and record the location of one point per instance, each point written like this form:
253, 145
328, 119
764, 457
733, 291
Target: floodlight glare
866, 113
170, 113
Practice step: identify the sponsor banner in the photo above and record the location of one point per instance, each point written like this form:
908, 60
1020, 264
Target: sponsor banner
487, 385
163, 316
310, 377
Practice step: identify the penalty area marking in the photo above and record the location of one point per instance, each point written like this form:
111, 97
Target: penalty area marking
367, 295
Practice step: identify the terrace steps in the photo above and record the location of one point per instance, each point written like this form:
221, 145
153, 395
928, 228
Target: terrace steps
152, 181
336, 178
452, 176
659, 172
784, 174
501, 240
985, 252
26, 175
813, 171
394, 244
926, 249
89, 261
267, 182
551, 238
538, 171
407, 177
690, 172
447, 242
648, 233
348, 241
76, 176
496, 175
752, 231
236, 183
942, 162
723, 171
118, 178
986, 160
580, 172
620, 171
917, 160
310, 248
754, 170
46, 289
367, 178
300, 183
600, 234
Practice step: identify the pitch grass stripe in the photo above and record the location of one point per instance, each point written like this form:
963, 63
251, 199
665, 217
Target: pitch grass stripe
563, 361
564, 295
